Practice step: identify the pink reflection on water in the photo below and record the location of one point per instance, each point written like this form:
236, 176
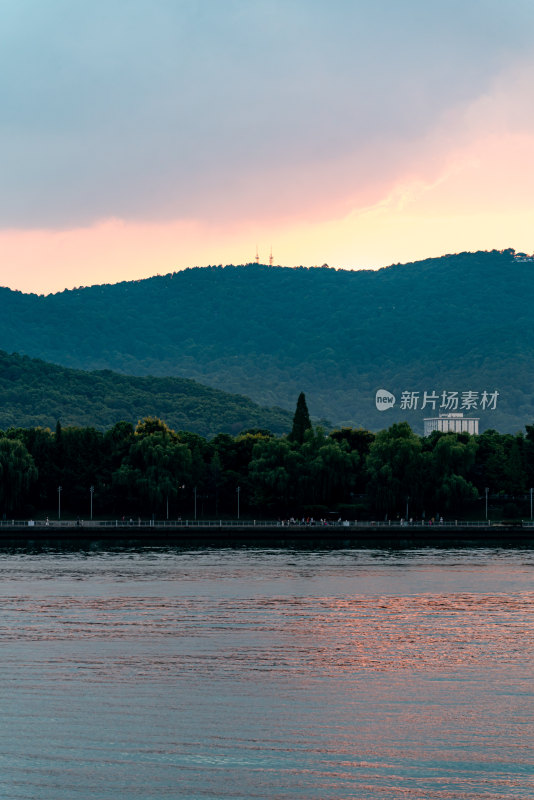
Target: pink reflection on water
322, 678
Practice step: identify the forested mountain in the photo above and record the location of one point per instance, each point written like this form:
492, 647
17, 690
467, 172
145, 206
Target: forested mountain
34, 393
460, 323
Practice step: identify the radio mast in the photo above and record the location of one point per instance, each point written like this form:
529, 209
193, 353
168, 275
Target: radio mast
271, 257
257, 259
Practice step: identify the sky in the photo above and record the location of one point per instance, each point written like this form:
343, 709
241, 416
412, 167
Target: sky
141, 137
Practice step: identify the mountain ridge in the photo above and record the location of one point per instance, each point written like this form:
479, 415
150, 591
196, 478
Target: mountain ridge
460, 322
35, 393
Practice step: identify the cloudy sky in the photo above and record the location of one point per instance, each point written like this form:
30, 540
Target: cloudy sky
144, 136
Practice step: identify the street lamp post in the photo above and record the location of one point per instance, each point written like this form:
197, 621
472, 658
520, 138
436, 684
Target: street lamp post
179, 496
91, 492
238, 490
531, 504
486, 491
195, 493
59, 502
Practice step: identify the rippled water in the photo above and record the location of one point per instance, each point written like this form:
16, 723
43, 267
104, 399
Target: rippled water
267, 674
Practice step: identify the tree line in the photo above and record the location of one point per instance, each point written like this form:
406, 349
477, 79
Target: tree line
150, 470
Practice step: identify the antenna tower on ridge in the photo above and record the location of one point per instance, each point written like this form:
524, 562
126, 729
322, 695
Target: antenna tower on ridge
271, 257
257, 259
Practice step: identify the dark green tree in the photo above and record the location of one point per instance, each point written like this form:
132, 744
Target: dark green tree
447, 466
156, 466
235, 454
396, 469
17, 473
328, 470
118, 440
301, 420
274, 470
499, 463
358, 441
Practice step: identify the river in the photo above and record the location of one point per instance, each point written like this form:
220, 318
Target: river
248, 674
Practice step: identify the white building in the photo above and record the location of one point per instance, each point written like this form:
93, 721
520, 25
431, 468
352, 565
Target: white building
451, 423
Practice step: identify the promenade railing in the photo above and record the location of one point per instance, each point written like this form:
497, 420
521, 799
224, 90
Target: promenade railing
247, 523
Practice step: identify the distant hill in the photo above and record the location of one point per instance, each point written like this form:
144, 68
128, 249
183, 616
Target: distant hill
34, 393
453, 324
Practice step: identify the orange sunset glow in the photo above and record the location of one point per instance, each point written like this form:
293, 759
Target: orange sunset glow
330, 153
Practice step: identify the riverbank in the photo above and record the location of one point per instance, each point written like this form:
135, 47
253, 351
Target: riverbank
236, 535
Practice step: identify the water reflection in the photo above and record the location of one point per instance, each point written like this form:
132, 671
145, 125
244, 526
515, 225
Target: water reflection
267, 674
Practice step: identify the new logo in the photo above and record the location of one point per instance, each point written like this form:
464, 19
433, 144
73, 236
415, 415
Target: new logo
384, 400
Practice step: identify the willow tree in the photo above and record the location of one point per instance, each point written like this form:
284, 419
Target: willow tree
274, 470
449, 466
329, 469
156, 466
396, 468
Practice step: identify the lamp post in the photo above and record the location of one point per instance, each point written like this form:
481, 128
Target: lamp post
91, 492
238, 490
531, 504
195, 493
59, 502
486, 490
179, 496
